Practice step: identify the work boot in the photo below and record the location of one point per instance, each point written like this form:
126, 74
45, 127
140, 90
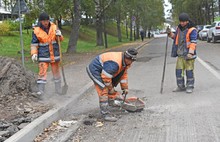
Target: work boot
109, 117
179, 89
41, 88
105, 112
189, 89
58, 89
114, 102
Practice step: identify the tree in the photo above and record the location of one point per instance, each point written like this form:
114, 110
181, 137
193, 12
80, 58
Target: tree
75, 28
196, 10
100, 6
57, 8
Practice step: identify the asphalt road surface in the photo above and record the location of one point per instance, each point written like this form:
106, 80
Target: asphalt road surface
168, 117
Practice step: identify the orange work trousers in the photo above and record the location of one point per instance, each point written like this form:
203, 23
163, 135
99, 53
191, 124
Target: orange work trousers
43, 67
103, 94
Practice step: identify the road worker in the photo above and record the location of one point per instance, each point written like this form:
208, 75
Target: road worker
106, 71
45, 51
184, 48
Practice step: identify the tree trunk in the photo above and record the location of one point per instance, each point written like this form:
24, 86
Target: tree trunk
137, 29
119, 27
131, 28
219, 8
59, 22
99, 32
99, 24
104, 28
213, 12
126, 26
75, 28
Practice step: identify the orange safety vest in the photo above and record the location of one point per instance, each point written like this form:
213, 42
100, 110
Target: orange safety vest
121, 74
190, 44
47, 48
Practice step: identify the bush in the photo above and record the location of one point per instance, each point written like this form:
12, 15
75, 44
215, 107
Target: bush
14, 26
4, 28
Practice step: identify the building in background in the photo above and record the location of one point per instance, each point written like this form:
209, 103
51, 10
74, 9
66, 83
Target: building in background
5, 12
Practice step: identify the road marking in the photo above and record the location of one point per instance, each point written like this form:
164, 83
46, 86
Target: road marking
209, 68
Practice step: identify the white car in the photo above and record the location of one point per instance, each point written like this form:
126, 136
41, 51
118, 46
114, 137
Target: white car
214, 32
203, 32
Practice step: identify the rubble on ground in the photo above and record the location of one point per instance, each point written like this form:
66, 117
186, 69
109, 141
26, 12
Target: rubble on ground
17, 106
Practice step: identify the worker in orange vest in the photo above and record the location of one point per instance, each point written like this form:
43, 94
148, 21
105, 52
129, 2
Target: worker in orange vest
106, 71
184, 47
45, 51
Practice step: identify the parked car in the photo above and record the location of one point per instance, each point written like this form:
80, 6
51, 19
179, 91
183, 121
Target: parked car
199, 28
203, 32
214, 32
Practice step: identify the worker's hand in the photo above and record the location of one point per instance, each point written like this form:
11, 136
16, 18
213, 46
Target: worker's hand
168, 31
189, 56
125, 91
111, 91
34, 58
58, 33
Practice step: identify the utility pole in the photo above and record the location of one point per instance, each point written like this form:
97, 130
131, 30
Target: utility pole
21, 37
20, 7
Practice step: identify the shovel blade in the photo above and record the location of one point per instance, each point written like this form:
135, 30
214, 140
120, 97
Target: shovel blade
64, 89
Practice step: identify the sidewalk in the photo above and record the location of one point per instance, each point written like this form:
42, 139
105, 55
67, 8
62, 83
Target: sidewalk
78, 82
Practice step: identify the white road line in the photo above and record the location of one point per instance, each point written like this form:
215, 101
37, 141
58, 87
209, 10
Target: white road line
209, 68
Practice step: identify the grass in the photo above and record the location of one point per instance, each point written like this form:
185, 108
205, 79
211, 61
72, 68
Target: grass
10, 45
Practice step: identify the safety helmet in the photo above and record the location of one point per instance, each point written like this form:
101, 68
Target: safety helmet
183, 17
43, 16
131, 53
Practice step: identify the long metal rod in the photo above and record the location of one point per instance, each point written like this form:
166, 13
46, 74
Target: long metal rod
21, 37
164, 67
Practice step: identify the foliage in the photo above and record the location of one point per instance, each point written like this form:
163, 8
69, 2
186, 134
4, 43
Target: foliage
4, 28
217, 18
200, 11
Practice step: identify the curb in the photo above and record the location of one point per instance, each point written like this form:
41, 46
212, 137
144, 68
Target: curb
29, 132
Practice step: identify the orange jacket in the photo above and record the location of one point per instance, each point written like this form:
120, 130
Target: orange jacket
108, 69
46, 45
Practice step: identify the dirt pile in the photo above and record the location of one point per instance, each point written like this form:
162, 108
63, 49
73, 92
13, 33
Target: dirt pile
14, 79
17, 106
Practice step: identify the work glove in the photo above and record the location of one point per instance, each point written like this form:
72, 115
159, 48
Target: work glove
58, 33
34, 58
189, 56
125, 91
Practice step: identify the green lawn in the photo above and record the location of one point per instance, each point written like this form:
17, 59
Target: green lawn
10, 45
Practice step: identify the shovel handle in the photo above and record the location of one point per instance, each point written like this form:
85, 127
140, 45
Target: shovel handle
58, 40
124, 97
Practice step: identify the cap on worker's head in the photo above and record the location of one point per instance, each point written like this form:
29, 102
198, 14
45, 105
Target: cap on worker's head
43, 16
131, 53
183, 17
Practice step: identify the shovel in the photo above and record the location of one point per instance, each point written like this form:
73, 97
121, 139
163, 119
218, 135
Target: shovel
65, 87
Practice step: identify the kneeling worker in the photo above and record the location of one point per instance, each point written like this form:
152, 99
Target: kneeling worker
106, 71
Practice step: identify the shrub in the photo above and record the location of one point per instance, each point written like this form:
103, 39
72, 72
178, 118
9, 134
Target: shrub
4, 28
14, 26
